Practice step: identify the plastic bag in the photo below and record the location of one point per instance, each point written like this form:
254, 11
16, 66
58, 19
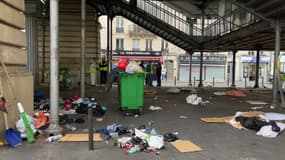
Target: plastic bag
155, 141
21, 127
194, 99
133, 67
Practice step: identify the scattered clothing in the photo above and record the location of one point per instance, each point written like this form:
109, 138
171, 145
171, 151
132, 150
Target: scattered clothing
267, 131
235, 93
253, 123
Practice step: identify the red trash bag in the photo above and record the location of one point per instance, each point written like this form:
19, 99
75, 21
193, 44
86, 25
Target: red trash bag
122, 64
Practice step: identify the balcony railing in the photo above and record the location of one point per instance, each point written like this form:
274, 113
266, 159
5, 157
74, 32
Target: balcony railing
135, 30
134, 53
119, 30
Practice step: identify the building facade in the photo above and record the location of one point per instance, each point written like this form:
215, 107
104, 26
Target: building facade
129, 39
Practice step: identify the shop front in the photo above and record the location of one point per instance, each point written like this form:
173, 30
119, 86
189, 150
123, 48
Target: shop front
214, 67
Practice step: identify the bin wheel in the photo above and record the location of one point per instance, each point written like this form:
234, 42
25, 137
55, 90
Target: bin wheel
139, 111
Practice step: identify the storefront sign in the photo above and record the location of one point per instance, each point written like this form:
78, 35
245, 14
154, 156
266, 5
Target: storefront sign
253, 59
206, 60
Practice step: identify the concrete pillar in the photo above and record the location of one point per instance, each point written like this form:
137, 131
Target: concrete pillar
32, 39
234, 69
201, 70
54, 127
257, 69
276, 69
82, 49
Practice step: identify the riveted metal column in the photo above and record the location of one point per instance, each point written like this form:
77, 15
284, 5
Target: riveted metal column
201, 70
257, 69
108, 40
111, 44
190, 69
276, 69
201, 55
83, 51
234, 69
32, 39
54, 88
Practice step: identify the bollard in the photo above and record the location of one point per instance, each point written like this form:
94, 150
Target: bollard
174, 80
262, 81
245, 83
228, 81
194, 81
90, 127
213, 81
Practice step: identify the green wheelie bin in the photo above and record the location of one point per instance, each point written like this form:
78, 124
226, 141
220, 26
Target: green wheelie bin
131, 91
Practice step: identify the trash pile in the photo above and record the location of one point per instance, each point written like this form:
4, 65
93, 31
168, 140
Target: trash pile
129, 67
71, 105
28, 127
264, 124
139, 139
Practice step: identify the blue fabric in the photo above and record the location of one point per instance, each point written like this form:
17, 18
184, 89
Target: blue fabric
275, 116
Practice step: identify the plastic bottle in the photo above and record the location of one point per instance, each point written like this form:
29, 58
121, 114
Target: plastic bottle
53, 138
134, 149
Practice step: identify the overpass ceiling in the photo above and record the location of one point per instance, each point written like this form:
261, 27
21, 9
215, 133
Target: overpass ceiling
192, 8
270, 9
258, 35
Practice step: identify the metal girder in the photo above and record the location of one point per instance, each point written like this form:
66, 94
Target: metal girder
275, 10
251, 2
246, 31
251, 11
266, 4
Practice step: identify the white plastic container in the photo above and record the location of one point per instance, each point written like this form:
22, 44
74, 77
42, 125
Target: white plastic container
53, 138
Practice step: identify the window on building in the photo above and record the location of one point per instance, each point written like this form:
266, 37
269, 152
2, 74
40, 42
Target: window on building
136, 44
119, 44
148, 45
164, 47
119, 25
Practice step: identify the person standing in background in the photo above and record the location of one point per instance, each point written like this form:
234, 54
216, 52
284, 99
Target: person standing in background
142, 65
92, 70
148, 71
158, 74
103, 71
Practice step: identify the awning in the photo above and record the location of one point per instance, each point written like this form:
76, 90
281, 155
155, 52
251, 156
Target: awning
140, 58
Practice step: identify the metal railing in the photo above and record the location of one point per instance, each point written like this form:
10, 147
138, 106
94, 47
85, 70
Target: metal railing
169, 16
232, 21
